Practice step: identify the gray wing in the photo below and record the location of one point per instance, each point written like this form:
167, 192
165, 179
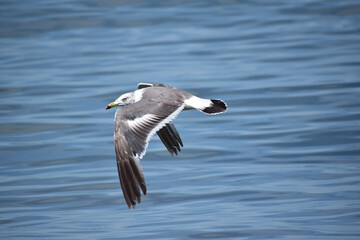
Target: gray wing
129, 169
170, 138
133, 130
168, 134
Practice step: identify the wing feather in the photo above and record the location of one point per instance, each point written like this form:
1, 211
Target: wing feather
131, 137
175, 133
170, 138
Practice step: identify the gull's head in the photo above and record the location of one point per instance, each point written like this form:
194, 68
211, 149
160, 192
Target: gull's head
125, 99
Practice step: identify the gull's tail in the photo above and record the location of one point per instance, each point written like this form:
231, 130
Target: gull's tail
215, 107
208, 106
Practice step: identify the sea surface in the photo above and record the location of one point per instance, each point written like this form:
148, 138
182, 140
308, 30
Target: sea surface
282, 163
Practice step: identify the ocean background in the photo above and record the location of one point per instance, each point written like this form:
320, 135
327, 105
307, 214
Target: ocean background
282, 163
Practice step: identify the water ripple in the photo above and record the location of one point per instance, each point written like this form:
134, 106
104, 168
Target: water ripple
282, 163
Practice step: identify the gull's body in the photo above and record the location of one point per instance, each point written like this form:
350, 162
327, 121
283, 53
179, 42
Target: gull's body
147, 111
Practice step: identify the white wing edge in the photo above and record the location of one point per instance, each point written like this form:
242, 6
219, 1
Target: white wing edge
159, 126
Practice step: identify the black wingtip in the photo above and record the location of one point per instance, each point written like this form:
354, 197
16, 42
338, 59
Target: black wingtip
144, 85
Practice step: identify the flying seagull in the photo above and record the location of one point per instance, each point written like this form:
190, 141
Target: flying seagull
147, 111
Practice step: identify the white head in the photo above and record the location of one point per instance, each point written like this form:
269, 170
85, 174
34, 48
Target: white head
126, 98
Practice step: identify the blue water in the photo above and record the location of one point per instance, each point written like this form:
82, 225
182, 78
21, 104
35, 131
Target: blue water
282, 163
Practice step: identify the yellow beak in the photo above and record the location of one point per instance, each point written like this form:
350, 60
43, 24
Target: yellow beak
110, 105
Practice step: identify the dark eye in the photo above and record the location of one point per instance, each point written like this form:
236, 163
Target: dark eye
124, 99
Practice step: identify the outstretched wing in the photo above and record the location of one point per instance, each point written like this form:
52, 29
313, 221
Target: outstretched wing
168, 134
133, 131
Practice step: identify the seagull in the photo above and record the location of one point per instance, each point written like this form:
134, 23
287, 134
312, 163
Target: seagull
149, 110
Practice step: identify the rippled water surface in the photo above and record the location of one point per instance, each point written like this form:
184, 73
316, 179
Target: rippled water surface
282, 163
